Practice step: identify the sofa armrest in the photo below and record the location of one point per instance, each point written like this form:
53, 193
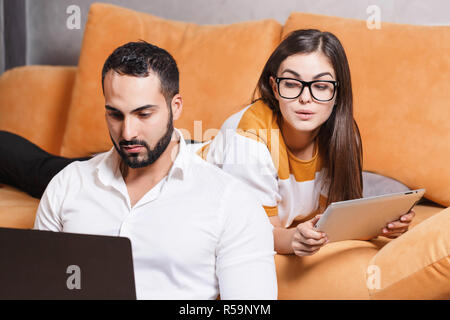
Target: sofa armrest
34, 102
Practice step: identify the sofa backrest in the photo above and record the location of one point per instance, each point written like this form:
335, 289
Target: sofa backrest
34, 102
401, 85
219, 68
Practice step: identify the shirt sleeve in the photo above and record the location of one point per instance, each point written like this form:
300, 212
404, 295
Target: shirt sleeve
245, 265
249, 160
48, 213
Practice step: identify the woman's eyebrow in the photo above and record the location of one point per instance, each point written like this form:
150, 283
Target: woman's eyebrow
322, 74
296, 74
292, 72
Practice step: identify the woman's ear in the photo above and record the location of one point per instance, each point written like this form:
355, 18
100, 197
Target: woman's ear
273, 85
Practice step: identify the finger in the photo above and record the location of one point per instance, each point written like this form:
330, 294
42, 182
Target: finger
394, 230
309, 233
397, 225
302, 253
408, 217
310, 248
313, 242
305, 247
394, 233
393, 236
315, 219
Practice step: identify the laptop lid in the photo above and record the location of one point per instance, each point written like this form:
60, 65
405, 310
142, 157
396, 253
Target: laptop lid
55, 265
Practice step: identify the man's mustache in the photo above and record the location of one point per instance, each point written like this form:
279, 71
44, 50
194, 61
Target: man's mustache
135, 142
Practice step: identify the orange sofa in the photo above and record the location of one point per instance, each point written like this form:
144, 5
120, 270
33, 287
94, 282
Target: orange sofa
400, 75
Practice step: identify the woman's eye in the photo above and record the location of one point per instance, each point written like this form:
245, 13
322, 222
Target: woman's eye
291, 84
321, 86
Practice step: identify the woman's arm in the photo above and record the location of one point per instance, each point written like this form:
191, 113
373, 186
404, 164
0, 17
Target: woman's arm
303, 240
282, 236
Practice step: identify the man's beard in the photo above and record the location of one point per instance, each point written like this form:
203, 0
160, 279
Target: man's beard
132, 160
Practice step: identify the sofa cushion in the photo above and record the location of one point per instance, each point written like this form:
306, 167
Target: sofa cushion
17, 209
34, 101
401, 82
422, 268
219, 68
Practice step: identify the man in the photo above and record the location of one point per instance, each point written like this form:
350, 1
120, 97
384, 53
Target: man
195, 231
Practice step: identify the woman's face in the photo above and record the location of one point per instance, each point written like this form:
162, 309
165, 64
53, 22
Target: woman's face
305, 113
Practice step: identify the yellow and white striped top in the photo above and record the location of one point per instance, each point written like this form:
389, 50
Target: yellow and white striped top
250, 147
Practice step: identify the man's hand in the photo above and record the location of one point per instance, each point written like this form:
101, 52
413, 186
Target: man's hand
396, 228
307, 240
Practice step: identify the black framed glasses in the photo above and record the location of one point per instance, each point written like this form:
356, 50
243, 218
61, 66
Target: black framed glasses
321, 90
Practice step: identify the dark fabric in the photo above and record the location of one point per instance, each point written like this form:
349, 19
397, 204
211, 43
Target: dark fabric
27, 167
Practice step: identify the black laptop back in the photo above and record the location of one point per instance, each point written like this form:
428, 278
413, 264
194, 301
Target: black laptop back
52, 265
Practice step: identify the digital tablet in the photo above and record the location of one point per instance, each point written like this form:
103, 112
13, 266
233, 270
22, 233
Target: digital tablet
363, 219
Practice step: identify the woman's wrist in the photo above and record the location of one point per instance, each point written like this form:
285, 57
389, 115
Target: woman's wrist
283, 240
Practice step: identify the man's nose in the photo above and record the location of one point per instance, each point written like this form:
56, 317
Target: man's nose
129, 129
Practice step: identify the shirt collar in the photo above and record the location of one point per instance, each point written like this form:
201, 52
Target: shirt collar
108, 170
180, 165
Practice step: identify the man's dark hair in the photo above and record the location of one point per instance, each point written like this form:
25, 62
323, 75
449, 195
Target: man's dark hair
138, 58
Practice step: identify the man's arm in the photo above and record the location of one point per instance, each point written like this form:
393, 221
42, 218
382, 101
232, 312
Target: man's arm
48, 213
245, 254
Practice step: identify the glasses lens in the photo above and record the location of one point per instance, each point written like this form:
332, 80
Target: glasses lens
290, 89
322, 90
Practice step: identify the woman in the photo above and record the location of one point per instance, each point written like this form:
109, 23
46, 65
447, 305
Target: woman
298, 146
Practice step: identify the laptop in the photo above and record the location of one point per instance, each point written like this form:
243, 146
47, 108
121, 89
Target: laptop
55, 265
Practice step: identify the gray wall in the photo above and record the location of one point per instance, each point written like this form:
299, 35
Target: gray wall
2, 41
49, 41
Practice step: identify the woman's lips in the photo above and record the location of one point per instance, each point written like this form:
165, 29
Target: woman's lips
304, 114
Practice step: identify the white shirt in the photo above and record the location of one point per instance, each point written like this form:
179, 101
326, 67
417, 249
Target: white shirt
197, 233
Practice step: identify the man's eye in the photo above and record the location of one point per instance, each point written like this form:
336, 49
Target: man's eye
115, 115
144, 115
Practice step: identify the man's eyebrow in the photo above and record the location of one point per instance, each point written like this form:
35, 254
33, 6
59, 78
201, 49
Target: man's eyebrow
147, 106
108, 107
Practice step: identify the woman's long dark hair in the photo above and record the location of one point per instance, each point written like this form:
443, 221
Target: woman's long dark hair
339, 139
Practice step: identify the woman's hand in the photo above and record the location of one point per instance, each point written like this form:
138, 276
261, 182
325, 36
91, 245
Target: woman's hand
396, 228
307, 240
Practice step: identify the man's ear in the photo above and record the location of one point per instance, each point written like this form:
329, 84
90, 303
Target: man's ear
177, 106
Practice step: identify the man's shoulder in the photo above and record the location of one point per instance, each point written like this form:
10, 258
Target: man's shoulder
214, 177
202, 171
81, 168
